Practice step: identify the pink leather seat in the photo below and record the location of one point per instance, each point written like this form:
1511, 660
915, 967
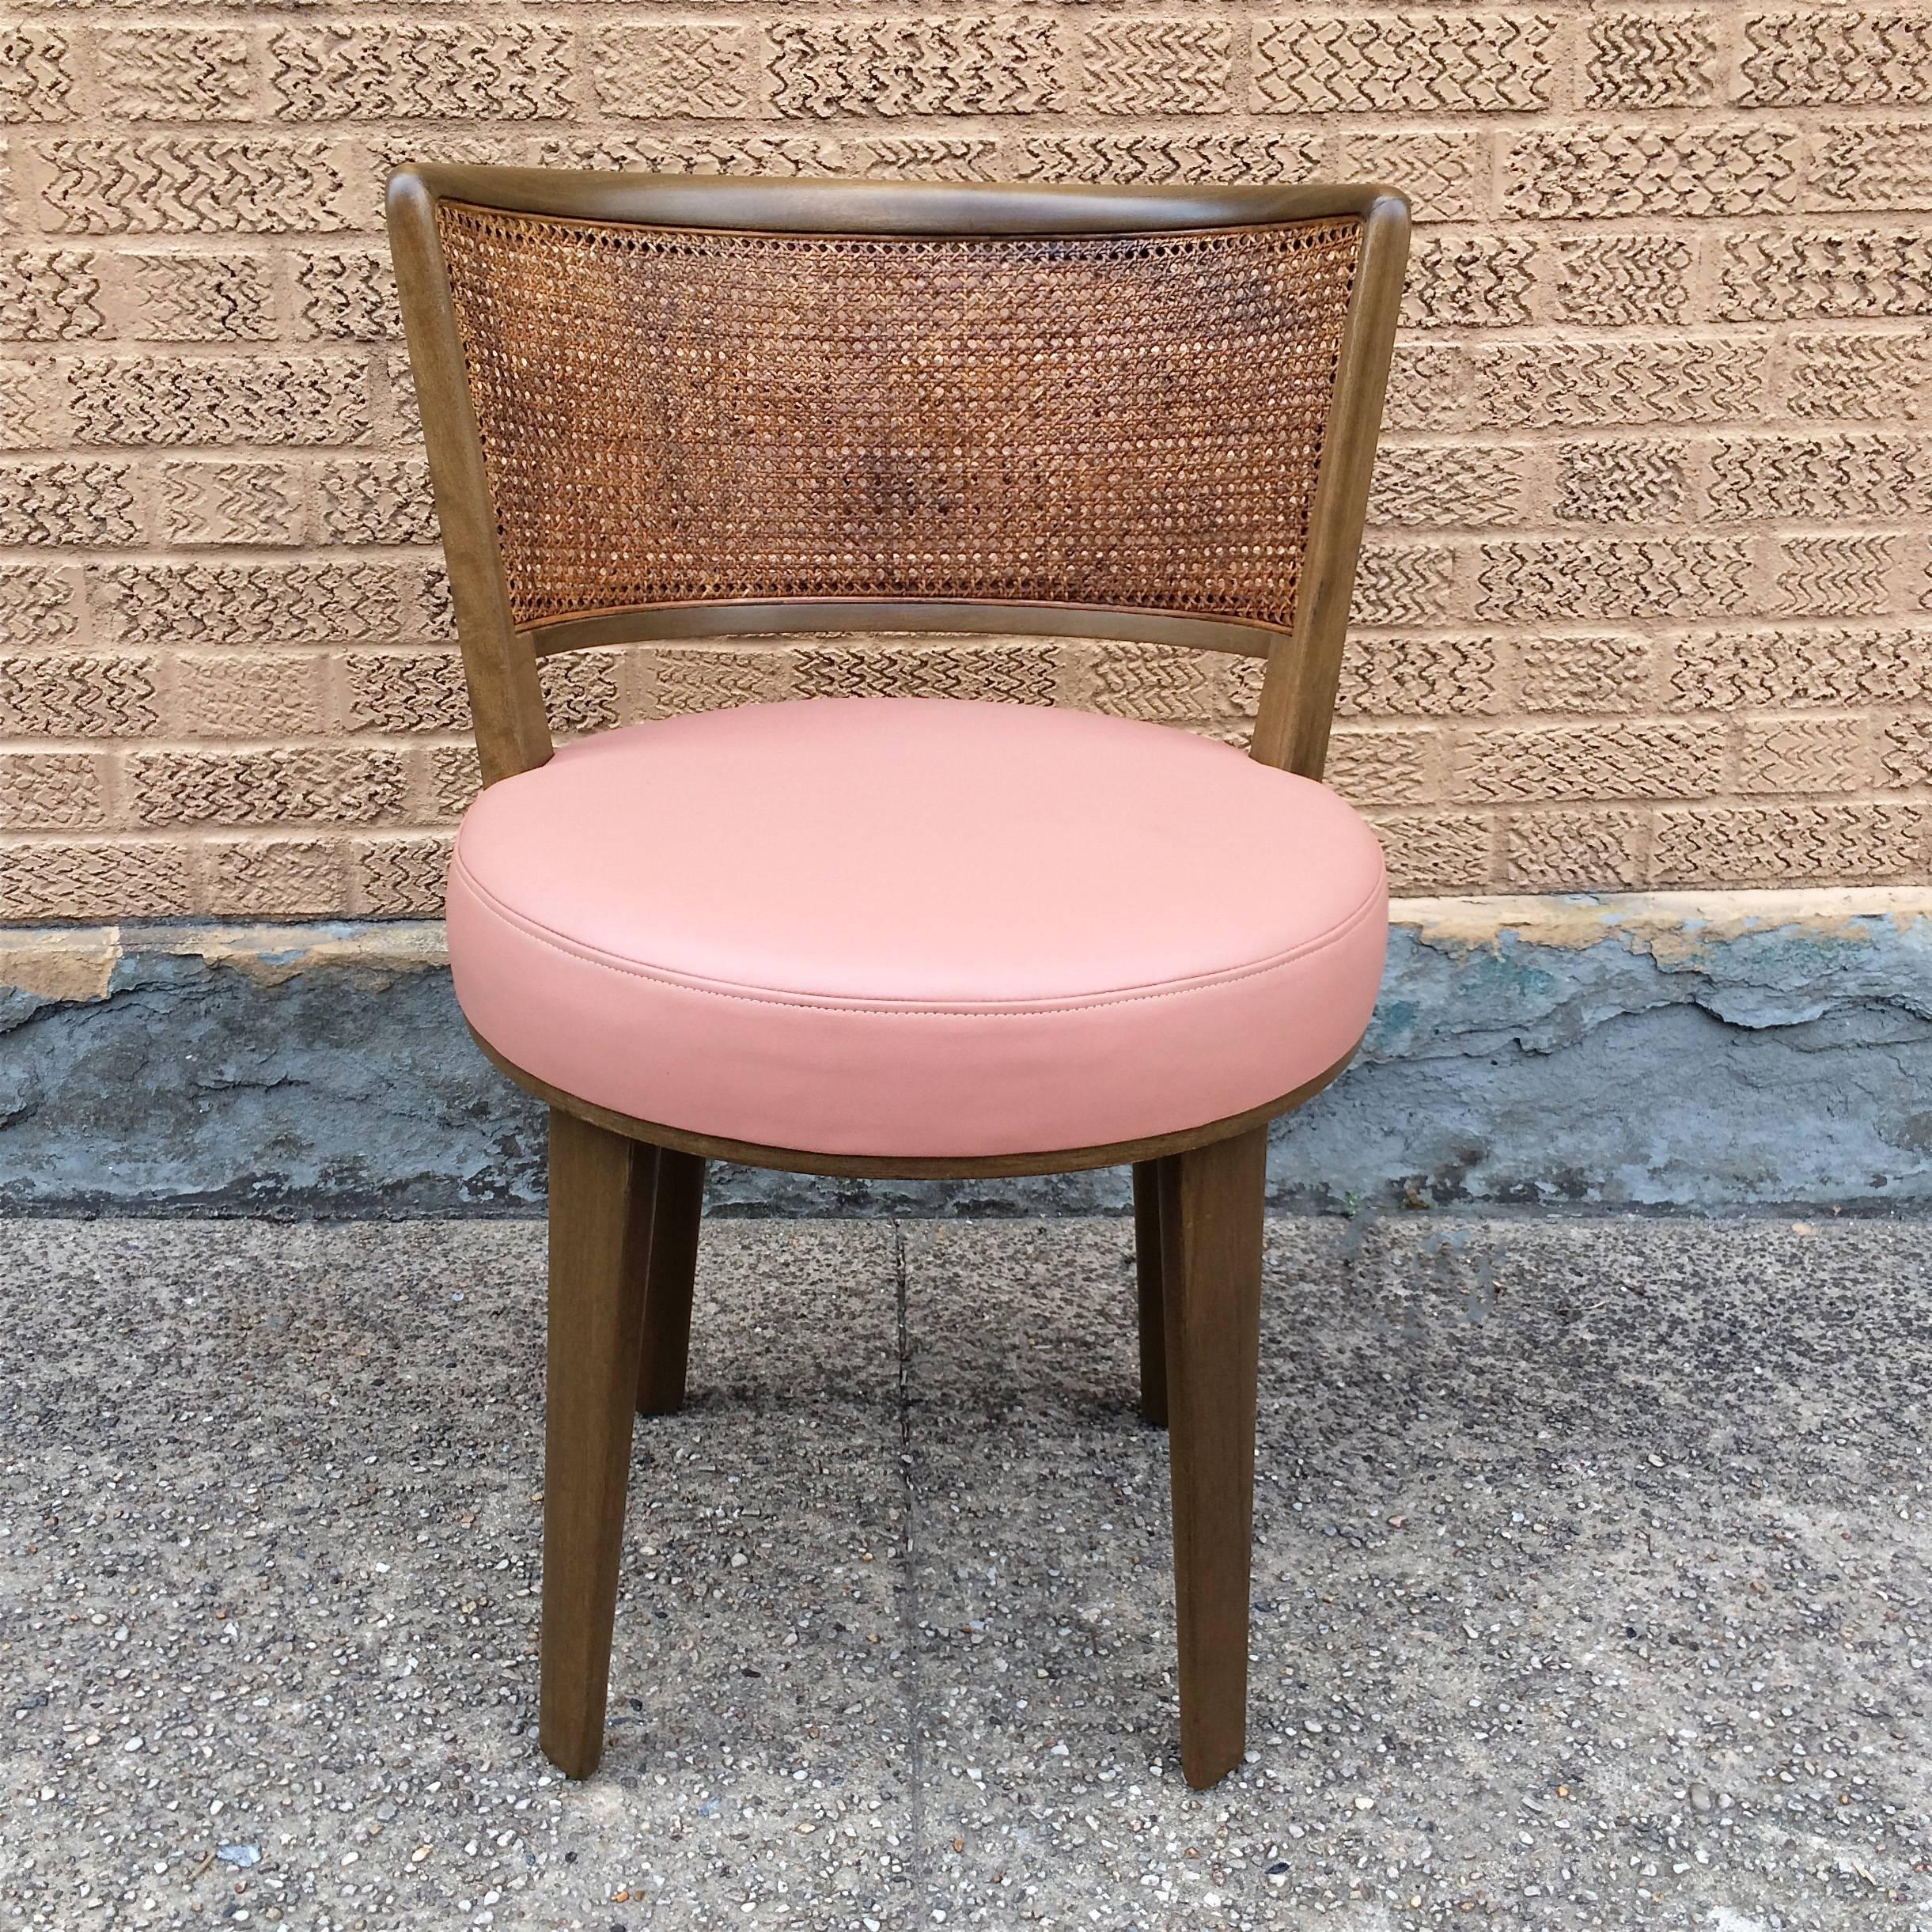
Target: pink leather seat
908, 926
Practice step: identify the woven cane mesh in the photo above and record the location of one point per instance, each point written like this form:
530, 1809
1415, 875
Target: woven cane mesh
677, 415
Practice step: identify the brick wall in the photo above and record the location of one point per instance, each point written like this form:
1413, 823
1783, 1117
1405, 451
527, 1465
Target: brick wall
1645, 601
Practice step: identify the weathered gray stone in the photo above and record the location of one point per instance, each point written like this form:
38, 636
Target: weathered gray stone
1680, 1050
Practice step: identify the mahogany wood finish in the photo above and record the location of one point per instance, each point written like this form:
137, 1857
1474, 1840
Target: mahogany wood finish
671, 1272
1211, 1250
601, 1201
626, 1195
1150, 1279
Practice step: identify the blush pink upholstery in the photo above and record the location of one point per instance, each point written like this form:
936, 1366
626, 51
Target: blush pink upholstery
911, 927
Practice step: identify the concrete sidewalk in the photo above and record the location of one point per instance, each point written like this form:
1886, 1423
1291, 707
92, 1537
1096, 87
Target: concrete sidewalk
1592, 1585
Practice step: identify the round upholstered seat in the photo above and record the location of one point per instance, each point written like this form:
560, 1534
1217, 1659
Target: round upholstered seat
896, 926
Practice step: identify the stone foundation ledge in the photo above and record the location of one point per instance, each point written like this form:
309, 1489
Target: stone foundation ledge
1698, 1050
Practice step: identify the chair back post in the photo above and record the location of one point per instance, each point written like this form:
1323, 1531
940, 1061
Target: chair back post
1298, 691
507, 703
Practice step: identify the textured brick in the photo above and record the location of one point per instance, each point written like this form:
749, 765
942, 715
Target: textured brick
178, 604
1383, 766
1429, 388
1461, 281
712, 152
1834, 576
1004, 673
62, 502
436, 616
581, 691
1445, 175
682, 679
1600, 484
958, 64
1442, 485
1650, 60
1403, 584
1820, 479
1676, 759
346, 295
186, 184
1132, 66
657, 69
1780, 669
1593, 579
1436, 851
1419, 676
161, 399
224, 298
1886, 165
1617, 280
454, 778
399, 877
1785, 844
1563, 174
203, 503
63, 879
1157, 155
1905, 752
939, 157
1155, 682
175, 73
1409, 62
1677, 307
1583, 385
36, 73
258, 878
31, 415
51, 791
1838, 55
440, 70
405, 691
1796, 275
405, 406
377, 500
39, 603
1872, 377
285, 785
242, 695
1571, 851
1608, 673
1787, 754
50, 295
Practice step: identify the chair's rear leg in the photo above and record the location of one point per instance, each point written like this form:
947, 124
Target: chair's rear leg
1211, 1223
601, 1188
1148, 1264
677, 1210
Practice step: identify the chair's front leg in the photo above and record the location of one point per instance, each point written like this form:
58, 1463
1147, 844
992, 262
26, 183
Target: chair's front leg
601, 1196
677, 1212
1211, 1202
1148, 1264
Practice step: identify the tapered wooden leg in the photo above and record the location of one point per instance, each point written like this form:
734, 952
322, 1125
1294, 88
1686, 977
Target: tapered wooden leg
677, 1208
1210, 1226
1148, 1264
599, 1232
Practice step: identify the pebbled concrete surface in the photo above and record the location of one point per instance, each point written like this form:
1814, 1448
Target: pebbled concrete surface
1592, 1585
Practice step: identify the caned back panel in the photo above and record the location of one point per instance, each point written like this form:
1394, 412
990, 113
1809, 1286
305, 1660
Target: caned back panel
680, 415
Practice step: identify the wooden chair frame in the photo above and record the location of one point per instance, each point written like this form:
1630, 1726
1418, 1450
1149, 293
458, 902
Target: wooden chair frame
626, 1195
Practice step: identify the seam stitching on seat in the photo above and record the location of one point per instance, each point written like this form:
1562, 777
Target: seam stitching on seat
555, 942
